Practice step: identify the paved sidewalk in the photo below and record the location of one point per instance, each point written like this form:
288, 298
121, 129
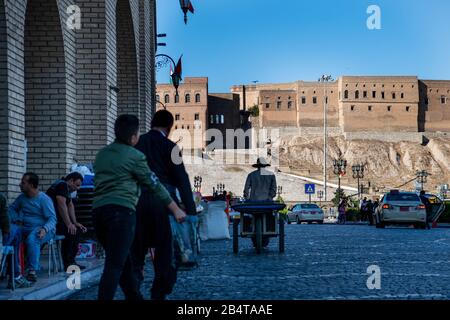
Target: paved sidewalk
55, 286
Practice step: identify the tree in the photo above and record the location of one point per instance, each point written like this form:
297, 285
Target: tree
338, 195
254, 111
283, 213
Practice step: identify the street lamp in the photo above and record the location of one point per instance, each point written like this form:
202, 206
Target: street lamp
325, 79
163, 61
163, 105
279, 191
320, 196
220, 188
422, 177
358, 173
340, 166
197, 183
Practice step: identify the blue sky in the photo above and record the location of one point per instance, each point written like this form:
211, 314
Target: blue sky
239, 41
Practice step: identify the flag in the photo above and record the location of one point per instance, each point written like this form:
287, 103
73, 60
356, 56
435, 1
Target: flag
186, 6
171, 73
178, 68
177, 75
190, 7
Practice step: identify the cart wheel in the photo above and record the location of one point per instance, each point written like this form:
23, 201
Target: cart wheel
235, 236
258, 234
281, 240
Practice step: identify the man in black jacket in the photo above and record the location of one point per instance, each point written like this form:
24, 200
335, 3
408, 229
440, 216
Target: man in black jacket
153, 226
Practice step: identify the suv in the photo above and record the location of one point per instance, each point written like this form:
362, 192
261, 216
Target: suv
398, 207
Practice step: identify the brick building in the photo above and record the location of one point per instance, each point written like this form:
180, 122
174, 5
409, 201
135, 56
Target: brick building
355, 104
62, 86
196, 110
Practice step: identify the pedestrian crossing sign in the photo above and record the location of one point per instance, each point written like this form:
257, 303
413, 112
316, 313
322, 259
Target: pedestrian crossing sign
310, 188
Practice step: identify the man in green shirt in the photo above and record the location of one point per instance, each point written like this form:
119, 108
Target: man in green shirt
120, 171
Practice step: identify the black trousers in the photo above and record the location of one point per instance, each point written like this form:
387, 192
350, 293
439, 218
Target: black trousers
153, 231
69, 247
115, 229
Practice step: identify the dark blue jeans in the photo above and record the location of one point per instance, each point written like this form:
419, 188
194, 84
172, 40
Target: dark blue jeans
14, 238
115, 229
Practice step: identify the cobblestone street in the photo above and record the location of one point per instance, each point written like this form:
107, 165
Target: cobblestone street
320, 262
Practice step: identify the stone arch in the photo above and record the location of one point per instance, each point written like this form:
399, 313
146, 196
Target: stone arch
3, 100
45, 91
127, 65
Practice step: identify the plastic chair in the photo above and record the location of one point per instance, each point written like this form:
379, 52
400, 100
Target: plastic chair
8, 251
54, 255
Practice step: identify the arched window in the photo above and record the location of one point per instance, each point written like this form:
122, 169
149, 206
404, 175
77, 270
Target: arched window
197, 98
157, 97
187, 98
357, 94
222, 119
166, 98
177, 98
346, 94
217, 119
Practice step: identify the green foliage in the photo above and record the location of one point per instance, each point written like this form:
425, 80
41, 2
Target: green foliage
338, 194
353, 214
285, 211
254, 111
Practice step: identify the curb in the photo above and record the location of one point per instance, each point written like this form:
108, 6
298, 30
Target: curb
59, 290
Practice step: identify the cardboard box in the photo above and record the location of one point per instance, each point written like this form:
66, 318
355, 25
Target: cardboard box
86, 250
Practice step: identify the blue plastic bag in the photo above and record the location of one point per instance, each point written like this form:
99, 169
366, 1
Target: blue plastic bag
185, 242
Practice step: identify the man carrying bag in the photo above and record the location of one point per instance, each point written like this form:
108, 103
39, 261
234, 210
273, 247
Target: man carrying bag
153, 229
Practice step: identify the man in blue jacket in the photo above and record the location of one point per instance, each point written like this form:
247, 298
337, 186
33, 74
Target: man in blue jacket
33, 220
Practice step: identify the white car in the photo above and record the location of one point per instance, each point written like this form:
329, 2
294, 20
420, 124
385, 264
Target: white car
306, 212
398, 207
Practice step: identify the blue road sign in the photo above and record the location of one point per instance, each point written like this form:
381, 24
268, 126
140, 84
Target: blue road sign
310, 188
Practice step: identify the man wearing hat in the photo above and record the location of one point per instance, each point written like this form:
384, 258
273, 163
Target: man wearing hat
261, 185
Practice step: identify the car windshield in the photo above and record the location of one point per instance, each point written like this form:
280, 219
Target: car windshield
309, 206
402, 197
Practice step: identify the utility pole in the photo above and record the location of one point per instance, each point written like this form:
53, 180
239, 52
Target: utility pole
324, 79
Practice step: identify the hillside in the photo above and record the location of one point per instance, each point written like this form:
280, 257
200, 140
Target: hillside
387, 164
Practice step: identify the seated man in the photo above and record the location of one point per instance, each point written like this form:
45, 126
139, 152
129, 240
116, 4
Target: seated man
4, 221
34, 215
12, 236
67, 224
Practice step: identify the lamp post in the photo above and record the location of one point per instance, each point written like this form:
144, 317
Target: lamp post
358, 173
197, 183
320, 196
163, 105
163, 61
220, 188
422, 178
325, 79
279, 191
340, 166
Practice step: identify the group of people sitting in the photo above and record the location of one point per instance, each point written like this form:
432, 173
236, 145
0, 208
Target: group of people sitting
34, 219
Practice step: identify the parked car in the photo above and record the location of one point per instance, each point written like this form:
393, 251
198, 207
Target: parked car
306, 212
400, 208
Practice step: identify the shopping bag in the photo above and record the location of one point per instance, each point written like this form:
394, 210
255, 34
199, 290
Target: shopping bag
185, 242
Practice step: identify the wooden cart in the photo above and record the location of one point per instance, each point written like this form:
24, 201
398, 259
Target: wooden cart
259, 221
